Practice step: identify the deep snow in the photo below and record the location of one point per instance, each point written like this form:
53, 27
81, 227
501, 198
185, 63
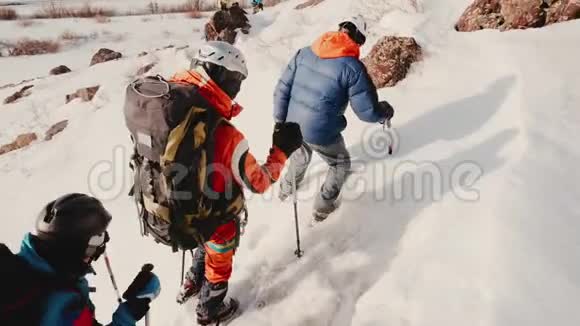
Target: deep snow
496, 246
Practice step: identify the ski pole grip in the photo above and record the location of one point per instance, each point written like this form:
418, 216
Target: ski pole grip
147, 268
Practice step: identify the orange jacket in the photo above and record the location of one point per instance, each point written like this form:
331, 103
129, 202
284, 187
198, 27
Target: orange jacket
235, 165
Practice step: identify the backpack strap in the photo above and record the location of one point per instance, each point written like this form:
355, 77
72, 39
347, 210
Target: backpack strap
136, 192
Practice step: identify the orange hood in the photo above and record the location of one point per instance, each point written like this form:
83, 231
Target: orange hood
212, 93
333, 45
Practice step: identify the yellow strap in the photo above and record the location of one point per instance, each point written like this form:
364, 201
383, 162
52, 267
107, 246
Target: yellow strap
176, 137
156, 209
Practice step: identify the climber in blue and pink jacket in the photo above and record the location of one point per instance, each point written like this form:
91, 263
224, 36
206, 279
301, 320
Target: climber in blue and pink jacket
45, 285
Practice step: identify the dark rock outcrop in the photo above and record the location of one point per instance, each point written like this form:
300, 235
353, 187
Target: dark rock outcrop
85, 94
20, 142
516, 14
55, 129
62, 69
104, 55
23, 92
309, 3
563, 10
390, 60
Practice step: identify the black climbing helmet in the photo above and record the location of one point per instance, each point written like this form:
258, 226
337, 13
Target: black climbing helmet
356, 28
77, 219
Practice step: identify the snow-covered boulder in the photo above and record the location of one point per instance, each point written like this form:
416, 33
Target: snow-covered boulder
390, 60
23, 92
20, 142
516, 14
104, 55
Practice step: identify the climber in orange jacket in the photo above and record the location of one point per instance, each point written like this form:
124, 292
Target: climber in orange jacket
218, 70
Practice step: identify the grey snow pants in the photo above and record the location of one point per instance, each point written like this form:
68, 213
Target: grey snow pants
338, 159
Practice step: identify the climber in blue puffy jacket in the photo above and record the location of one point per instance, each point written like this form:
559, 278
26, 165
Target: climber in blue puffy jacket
45, 284
314, 91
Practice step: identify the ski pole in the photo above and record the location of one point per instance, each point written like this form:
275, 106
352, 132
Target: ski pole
182, 267
110, 270
298, 251
149, 268
387, 124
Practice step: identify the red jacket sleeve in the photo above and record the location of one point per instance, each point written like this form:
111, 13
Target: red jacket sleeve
233, 151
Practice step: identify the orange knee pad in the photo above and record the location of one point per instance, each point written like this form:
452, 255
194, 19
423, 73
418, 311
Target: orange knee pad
220, 249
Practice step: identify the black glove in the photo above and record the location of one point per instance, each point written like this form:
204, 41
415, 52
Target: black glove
144, 288
386, 110
287, 137
138, 307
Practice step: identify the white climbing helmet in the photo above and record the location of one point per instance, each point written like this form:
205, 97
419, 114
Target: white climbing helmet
359, 22
223, 54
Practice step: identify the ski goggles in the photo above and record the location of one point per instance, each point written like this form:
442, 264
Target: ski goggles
96, 246
230, 74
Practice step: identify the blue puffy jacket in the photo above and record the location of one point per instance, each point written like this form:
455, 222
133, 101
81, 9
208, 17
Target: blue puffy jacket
317, 85
65, 307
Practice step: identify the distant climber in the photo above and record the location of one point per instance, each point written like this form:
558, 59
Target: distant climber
224, 4
219, 28
224, 23
257, 5
239, 18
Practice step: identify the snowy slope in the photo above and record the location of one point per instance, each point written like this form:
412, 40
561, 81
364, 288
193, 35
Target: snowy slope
488, 121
